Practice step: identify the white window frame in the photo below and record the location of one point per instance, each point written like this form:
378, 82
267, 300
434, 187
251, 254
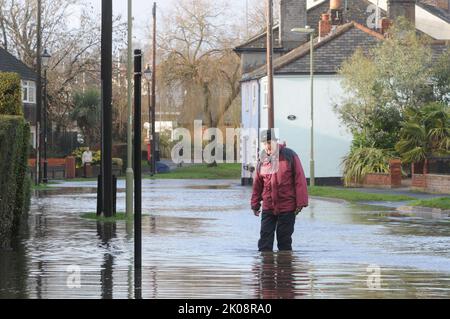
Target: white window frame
254, 96
265, 95
30, 88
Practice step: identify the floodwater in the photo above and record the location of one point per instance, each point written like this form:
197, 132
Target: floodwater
199, 241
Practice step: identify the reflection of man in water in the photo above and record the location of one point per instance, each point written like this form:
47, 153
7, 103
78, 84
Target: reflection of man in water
276, 276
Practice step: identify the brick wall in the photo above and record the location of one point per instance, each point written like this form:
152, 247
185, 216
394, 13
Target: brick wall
438, 183
391, 180
379, 179
395, 168
419, 181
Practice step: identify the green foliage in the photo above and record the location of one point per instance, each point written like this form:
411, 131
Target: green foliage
14, 184
393, 75
86, 113
166, 144
10, 94
96, 157
380, 131
363, 161
425, 133
441, 76
78, 154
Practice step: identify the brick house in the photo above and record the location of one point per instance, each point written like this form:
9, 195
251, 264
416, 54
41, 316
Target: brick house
8, 63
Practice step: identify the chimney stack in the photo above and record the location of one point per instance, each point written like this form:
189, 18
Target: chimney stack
406, 8
324, 25
292, 15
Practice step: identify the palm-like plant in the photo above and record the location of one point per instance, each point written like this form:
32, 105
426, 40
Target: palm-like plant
363, 161
425, 133
86, 113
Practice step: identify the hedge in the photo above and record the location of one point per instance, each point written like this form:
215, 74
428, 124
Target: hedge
14, 183
10, 94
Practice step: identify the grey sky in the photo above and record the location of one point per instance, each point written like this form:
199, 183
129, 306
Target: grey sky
142, 11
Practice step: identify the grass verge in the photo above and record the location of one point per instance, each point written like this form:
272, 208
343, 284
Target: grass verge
440, 202
354, 196
202, 171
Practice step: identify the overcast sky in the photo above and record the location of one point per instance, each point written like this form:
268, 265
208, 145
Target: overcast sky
142, 11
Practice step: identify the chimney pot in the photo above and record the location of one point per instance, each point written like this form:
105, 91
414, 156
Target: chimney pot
335, 4
385, 25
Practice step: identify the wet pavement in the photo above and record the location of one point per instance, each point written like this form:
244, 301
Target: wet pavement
199, 241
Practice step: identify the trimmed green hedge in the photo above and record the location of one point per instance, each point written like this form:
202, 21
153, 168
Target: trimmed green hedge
10, 94
14, 180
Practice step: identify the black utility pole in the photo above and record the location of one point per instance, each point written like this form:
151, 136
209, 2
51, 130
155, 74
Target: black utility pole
106, 56
153, 145
137, 172
45, 179
38, 94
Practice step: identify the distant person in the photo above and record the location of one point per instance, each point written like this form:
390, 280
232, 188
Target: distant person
280, 184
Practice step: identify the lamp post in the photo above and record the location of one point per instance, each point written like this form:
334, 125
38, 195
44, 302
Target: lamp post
148, 74
310, 31
45, 62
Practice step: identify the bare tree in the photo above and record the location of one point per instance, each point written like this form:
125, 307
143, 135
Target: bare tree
196, 56
75, 50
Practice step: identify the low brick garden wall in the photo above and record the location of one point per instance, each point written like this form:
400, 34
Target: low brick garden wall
432, 183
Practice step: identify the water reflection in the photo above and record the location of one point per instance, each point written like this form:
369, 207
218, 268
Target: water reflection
200, 243
106, 232
281, 276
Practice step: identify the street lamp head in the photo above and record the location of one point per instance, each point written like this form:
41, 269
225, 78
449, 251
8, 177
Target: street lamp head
148, 73
45, 58
306, 29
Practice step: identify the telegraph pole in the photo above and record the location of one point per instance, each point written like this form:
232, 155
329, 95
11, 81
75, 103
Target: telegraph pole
129, 173
106, 76
270, 102
38, 93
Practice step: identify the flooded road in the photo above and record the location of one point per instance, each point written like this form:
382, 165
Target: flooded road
200, 241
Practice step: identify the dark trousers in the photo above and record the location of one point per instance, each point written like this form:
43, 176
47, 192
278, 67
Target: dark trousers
282, 224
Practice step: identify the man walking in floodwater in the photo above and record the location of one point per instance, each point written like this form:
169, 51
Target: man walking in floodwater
280, 184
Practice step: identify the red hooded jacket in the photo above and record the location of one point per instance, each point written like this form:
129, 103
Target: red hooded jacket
282, 191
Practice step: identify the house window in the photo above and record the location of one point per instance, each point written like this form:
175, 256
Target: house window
29, 92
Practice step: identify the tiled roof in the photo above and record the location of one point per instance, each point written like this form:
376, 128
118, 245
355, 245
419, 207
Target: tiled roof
259, 41
8, 63
327, 57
